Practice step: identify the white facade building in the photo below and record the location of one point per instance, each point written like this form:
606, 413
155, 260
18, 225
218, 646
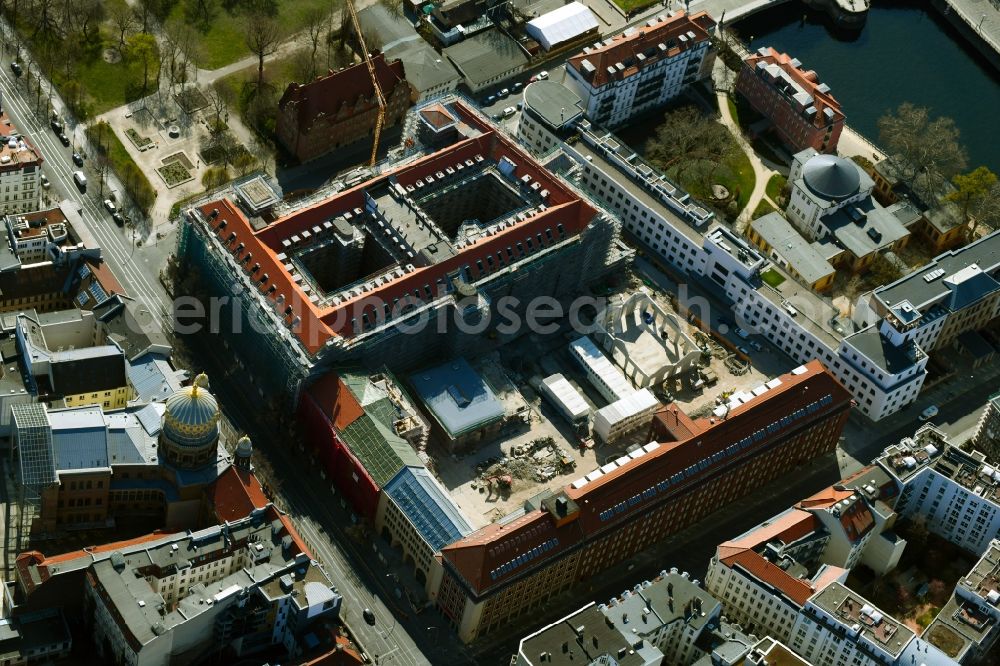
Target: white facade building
641, 68
20, 172
838, 627
603, 375
566, 398
625, 415
565, 24
955, 492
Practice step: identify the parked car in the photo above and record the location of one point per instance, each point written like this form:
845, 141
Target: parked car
57, 126
520, 105
45, 181
756, 346
543, 75
491, 100
64, 139
517, 86
117, 217
80, 180
16, 68
743, 350
110, 205
743, 334
533, 79
505, 92
78, 159
369, 616
929, 413
509, 111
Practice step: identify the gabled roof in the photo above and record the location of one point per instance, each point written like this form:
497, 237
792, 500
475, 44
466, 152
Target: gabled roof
327, 95
235, 494
640, 44
428, 507
381, 451
757, 567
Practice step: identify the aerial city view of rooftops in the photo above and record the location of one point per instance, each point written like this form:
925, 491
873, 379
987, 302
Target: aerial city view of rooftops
501, 333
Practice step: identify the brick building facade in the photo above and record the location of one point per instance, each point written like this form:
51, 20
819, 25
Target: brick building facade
693, 467
802, 111
318, 117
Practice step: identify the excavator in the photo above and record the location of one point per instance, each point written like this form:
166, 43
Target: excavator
379, 97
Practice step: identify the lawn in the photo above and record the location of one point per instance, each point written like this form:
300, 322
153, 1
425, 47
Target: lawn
128, 171
221, 39
762, 209
774, 187
734, 110
629, 6
91, 85
772, 277
735, 174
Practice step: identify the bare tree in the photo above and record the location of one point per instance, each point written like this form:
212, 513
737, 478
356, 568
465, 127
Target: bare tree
316, 24
925, 153
219, 99
124, 19
262, 39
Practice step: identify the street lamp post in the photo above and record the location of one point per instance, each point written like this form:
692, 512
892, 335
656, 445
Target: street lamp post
981, 19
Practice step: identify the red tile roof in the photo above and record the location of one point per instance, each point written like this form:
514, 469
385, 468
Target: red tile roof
478, 555
316, 324
329, 95
625, 48
807, 79
757, 567
235, 494
335, 400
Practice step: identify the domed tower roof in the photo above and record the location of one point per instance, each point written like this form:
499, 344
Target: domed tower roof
831, 177
192, 415
244, 452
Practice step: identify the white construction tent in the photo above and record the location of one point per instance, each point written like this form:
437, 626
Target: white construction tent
561, 25
566, 398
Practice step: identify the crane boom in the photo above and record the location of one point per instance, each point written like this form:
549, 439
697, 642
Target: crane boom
379, 97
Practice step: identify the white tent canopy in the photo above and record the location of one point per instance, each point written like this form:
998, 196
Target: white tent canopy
561, 25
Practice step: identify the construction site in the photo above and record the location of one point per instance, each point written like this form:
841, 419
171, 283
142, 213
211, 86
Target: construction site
548, 441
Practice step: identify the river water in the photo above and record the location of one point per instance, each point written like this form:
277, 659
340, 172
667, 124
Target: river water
905, 53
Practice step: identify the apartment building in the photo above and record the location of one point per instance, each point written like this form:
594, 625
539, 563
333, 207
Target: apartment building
20, 170
42, 235
802, 111
838, 627
67, 356
669, 620
510, 567
340, 108
234, 589
955, 493
765, 576
987, 437
881, 367
955, 293
967, 628
643, 67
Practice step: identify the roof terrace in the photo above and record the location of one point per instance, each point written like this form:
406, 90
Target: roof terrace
863, 619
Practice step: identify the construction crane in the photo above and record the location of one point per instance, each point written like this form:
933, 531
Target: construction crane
380, 98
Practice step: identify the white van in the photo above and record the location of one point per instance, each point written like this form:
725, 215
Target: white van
80, 180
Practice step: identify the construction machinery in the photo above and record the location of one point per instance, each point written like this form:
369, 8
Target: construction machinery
379, 97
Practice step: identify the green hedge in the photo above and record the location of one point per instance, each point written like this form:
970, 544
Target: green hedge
134, 180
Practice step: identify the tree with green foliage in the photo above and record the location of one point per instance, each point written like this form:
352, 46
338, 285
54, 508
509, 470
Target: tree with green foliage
143, 49
976, 193
924, 152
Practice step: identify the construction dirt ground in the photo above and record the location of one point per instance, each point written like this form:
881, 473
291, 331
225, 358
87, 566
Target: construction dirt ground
539, 449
